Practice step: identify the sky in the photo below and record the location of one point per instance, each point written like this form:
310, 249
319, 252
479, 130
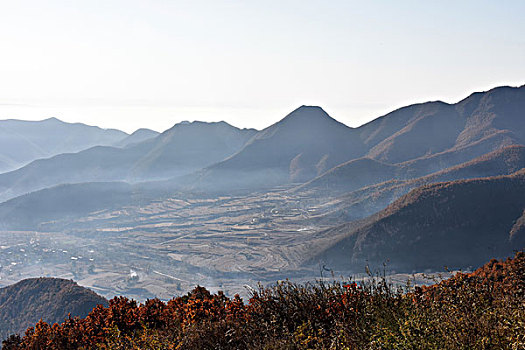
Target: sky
129, 64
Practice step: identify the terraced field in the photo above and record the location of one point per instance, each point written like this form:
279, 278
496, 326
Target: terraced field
167, 247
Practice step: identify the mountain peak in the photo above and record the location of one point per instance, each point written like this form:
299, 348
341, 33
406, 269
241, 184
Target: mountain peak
309, 110
309, 116
53, 120
304, 113
308, 107
199, 123
144, 131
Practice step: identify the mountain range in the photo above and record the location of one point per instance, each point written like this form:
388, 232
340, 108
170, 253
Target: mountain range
411, 142
424, 186
184, 148
24, 141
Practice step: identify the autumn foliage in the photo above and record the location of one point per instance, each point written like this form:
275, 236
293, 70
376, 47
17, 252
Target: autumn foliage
481, 310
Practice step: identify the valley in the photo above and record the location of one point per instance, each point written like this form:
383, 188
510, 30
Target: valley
226, 208
262, 175
171, 245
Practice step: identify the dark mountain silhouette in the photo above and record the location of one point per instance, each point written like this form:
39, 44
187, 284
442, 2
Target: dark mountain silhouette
180, 150
67, 201
304, 144
51, 299
94, 164
136, 137
457, 224
24, 141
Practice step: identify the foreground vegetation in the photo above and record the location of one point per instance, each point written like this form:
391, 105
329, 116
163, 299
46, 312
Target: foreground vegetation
481, 310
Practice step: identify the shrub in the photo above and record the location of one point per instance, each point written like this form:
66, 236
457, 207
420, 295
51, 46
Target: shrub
481, 310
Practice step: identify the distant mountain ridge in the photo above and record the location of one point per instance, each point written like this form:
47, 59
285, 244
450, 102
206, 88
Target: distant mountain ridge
31, 210
23, 141
137, 136
184, 148
187, 147
420, 139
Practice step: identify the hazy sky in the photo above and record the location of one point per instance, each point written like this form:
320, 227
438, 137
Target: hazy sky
130, 64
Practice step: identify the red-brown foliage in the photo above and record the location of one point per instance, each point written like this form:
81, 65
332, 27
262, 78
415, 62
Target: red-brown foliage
468, 310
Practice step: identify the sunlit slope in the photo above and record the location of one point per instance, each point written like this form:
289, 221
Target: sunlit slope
457, 224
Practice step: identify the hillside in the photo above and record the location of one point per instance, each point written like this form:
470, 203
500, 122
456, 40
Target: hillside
62, 202
457, 224
51, 299
413, 132
486, 120
351, 176
342, 181
24, 141
302, 145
